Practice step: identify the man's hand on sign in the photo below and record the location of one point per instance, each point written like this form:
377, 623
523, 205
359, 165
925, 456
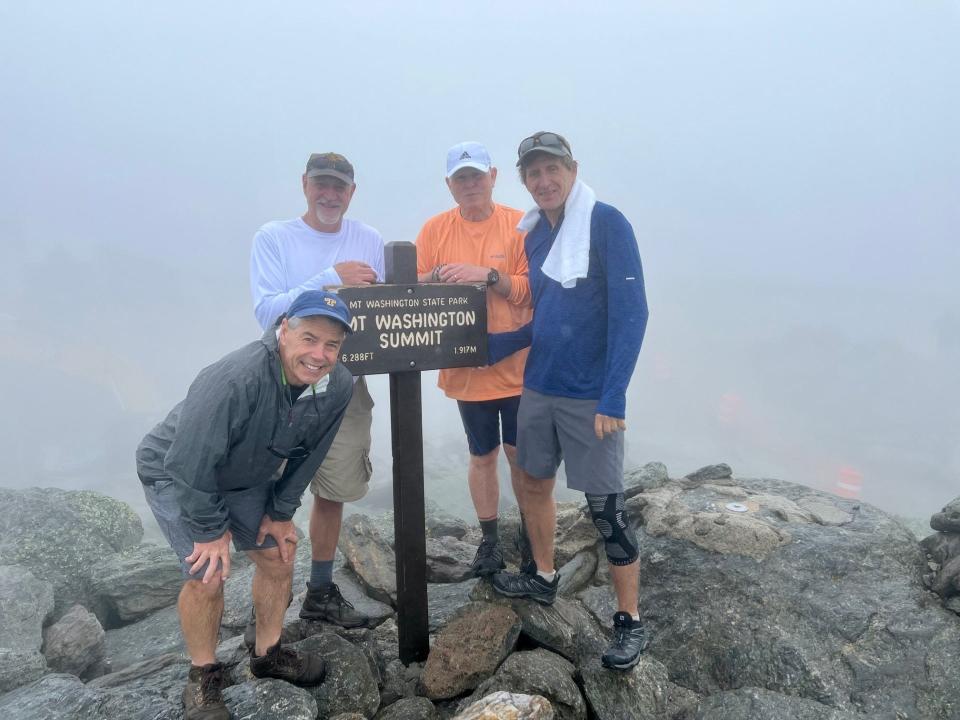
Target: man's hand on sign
463, 273
283, 531
606, 425
354, 272
215, 553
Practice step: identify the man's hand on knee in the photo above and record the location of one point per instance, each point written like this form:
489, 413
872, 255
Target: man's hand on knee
606, 425
214, 553
284, 532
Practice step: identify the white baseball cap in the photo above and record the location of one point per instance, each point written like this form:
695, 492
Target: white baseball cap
468, 154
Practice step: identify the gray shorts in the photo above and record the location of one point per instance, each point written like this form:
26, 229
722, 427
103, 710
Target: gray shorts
246, 509
551, 429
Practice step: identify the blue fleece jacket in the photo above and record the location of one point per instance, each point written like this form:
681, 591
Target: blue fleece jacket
585, 339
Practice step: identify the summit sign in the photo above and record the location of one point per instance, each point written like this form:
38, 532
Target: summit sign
399, 328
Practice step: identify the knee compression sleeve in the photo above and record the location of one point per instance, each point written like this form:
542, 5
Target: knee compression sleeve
619, 540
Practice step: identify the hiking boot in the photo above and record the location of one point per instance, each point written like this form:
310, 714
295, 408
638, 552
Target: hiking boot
488, 560
299, 668
629, 641
328, 605
527, 564
521, 585
203, 695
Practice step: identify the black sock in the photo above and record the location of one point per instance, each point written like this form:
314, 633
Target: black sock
489, 528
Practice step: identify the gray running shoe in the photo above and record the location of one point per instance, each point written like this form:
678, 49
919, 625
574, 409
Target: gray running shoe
488, 560
299, 668
629, 641
328, 605
521, 585
203, 695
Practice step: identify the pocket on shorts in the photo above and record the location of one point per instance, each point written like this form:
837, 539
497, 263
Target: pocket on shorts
367, 465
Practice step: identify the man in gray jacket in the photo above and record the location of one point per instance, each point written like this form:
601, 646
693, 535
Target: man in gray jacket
231, 462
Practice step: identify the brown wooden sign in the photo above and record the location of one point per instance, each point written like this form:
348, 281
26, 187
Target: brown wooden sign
399, 328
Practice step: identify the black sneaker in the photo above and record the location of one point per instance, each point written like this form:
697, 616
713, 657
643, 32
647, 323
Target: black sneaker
328, 605
527, 564
521, 585
299, 668
629, 641
203, 695
488, 560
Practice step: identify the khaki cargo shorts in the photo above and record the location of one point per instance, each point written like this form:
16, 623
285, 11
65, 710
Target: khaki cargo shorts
345, 473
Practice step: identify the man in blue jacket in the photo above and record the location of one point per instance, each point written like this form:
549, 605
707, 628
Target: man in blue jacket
589, 317
231, 462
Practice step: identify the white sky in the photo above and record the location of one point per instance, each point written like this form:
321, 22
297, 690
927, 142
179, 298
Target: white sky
792, 172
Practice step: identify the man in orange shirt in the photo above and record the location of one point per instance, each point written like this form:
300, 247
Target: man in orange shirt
478, 241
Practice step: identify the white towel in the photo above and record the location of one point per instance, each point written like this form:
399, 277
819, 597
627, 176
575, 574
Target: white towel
569, 258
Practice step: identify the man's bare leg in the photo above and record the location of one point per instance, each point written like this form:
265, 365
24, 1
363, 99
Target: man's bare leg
326, 518
626, 581
540, 514
484, 484
272, 580
201, 607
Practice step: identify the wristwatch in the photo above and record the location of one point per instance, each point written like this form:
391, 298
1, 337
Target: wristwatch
493, 277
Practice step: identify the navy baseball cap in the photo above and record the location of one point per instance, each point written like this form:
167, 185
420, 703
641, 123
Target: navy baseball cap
320, 302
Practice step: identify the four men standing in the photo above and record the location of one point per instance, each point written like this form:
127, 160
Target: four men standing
478, 242
232, 460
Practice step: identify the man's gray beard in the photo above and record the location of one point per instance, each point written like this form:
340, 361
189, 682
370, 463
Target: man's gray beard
333, 217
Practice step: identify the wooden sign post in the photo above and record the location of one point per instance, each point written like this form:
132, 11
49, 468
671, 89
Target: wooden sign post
402, 328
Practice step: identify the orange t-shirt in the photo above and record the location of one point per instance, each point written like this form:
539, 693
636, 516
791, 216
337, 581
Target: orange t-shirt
496, 243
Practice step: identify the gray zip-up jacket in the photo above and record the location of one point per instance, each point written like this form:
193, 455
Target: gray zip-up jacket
215, 441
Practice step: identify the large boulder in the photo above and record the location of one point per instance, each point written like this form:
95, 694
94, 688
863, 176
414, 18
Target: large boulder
75, 644
62, 535
643, 692
537, 672
156, 634
767, 584
349, 685
469, 649
757, 704
134, 584
508, 706
269, 699
948, 519
449, 559
414, 708
25, 603
369, 553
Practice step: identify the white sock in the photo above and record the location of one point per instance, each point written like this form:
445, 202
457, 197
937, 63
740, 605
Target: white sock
636, 618
547, 576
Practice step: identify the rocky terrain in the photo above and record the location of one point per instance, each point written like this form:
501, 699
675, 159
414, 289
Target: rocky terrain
765, 600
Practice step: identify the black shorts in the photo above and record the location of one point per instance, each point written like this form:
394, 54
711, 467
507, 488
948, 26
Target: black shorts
483, 419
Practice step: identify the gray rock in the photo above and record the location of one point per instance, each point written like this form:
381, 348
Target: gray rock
575, 532
75, 644
349, 686
269, 699
61, 535
836, 614
65, 697
537, 672
758, 704
444, 600
25, 603
370, 556
448, 560
156, 634
601, 601
944, 551
948, 519
134, 584
566, 628
649, 477
578, 572
399, 681
469, 649
720, 471
440, 523
508, 706
643, 692
415, 708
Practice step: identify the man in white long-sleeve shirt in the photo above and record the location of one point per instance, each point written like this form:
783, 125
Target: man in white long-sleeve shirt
317, 249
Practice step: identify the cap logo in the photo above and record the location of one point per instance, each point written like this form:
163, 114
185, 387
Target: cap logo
330, 301
465, 156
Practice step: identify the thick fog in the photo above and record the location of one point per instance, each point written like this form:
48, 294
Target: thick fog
792, 172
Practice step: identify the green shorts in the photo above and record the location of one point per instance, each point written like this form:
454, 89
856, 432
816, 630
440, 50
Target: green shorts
345, 473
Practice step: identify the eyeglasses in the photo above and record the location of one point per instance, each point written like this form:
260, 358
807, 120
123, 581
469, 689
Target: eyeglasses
546, 140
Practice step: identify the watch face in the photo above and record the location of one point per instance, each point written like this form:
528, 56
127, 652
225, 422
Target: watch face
493, 277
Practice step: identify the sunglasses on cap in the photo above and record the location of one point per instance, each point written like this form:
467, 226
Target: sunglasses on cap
547, 141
